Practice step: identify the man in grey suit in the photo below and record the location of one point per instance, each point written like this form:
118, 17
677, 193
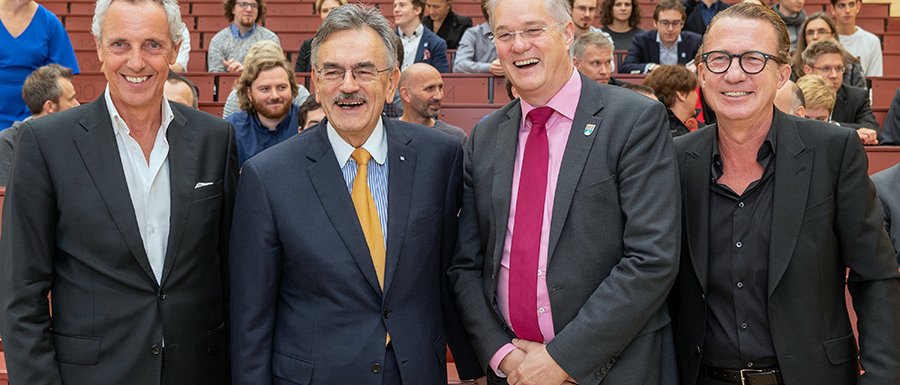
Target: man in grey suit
569, 237
887, 182
777, 208
121, 208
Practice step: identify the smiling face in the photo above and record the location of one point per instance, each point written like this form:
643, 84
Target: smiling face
135, 53
405, 14
246, 12
270, 93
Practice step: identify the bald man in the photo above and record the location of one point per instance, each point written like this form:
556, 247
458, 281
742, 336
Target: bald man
789, 99
422, 90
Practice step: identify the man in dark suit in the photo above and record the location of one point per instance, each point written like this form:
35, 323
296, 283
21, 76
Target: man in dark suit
569, 226
776, 208
447, 25
887, 182
700, 13
420, 45
343, 234
121, 208
667, 44
890, 133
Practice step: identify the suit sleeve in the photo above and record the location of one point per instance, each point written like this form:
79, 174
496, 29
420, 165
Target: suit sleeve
862, 116
215, 55
874, 282
439, 55
230, 181
27, 250
636, 288
891, 132
255, 271
635, 62
465, 60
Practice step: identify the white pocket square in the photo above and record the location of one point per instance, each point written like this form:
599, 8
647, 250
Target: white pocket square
202, 184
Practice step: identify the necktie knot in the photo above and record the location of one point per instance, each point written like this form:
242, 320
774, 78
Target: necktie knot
361, 156
539, 116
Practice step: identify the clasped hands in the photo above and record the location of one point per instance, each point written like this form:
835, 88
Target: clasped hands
531, 364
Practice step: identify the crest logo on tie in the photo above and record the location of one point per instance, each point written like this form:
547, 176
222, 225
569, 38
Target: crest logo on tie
589, 129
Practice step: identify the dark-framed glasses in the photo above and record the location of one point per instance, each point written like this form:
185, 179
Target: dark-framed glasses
245, 5
528, 33
751, 62
362, 74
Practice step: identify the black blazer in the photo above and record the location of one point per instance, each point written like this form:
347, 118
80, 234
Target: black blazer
694, 22
644, 49
887, 182
890, 133
452, 28
69, 227
825, 218
303, 61
852, 108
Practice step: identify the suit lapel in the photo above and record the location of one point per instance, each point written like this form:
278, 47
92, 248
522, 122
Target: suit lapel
695, 188
401, 173
793, 171
504, 164
578, 147
328, 181
183, 161
100, 155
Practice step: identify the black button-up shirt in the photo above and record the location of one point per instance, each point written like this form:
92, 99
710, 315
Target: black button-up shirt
737, 327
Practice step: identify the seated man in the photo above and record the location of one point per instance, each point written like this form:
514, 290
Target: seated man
887, 184
422, 89
420, 45
667, 44
789, 99
476, 52
592, 55
267, 117
891, 130
228, 47
442, 21
818, 97
309, 114
861, 43
676, 87
180, 89
264, 47
851, 108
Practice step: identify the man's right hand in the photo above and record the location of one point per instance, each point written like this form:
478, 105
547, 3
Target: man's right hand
233, 66
512, 361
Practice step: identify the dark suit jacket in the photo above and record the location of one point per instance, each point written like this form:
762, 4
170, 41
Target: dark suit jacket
644, 49
852, 108
437, 51
69, 227
890, 133
887, 182
824, 219
452, 28
307, 305
303, 60
694, 22
607, 287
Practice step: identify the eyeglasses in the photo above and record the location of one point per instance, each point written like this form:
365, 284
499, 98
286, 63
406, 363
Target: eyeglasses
670, 24
364, 74
751, 62
820, 31
246, 5
827, 70
529, 33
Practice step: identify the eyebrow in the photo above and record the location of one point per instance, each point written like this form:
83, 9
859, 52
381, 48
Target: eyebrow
357, 65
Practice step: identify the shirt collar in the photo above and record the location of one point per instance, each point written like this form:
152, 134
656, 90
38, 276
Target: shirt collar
418, 32
119, 126
661, 43
237, 32
375, 145
562, 102
767, 147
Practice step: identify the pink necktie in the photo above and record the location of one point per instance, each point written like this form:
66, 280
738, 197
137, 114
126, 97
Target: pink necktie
523, 257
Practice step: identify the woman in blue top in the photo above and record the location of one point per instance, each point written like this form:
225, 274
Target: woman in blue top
31, 37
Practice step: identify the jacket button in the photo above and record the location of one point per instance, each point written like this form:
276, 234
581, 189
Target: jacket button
155, 349
162, 296
376, 367
697, 347
386, 313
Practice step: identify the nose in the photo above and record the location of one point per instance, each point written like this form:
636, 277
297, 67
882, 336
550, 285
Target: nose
348, 83
135, 59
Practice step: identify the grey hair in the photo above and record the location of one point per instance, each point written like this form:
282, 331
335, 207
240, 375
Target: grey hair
356, 16
173, 16
559, 10
582, 43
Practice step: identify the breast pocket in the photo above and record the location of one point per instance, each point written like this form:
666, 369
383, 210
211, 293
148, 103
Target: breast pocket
204, 190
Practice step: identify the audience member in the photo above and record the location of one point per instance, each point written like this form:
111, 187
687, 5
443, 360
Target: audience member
667, 44
394, 108
793, 15
700, 13
676, 87
582, 173
620, 19
776, 209
180, 89
267, 116
476, 52
851, 108
887, 184
891, 130
592, 55
789, 99
422, 89
309, 114
342, 234
819, 26
263, 47
122, 208
856, 40
31, 37
818, 97
228, 47
322, 8
46, 91
420, 45
442, 21
641, 89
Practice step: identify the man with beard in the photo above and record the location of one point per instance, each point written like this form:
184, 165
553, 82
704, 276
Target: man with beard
422, 89
267, 116
229, 46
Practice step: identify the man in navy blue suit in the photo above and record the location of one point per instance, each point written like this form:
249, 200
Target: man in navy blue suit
420, 45
667, 44
343, 235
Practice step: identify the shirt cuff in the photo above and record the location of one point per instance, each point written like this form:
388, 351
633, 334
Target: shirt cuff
499, 356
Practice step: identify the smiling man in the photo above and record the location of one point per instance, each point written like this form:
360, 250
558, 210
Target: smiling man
122, 209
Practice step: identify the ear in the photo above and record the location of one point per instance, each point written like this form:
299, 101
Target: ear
784, 74
681, 96
49, 107
807, 69
393, 80
801, 111
404, 94
175, 53
569, 34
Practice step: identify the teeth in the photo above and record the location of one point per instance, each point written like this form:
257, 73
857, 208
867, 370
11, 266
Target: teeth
526, 62
136, 80
735, 93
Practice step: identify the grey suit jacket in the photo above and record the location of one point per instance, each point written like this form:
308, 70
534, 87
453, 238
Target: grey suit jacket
69, 227
887, 183
825, 219
614, 240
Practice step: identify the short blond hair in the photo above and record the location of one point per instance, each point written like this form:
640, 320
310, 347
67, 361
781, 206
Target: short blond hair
817, 92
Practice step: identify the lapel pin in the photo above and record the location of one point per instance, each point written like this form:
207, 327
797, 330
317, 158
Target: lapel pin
589, 129
402, 158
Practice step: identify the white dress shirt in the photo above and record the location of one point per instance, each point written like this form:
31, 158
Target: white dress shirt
410, 46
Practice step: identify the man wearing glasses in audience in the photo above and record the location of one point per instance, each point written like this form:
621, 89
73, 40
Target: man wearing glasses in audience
776, 209
667, 44
229, 46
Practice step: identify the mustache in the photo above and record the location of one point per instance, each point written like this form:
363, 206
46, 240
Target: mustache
354, 97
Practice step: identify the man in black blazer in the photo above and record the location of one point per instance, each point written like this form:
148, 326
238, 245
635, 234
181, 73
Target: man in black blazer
776, 209
667, 44
887, 182
121, 210
320, 295
450, 26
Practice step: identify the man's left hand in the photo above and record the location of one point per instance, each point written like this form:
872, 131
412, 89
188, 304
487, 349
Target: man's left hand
537, 368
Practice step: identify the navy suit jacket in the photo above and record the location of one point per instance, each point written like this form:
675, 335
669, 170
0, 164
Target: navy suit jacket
644, 49
308, 307
694, 22
437, 51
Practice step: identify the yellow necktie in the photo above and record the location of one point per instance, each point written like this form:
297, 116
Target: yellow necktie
367, 213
